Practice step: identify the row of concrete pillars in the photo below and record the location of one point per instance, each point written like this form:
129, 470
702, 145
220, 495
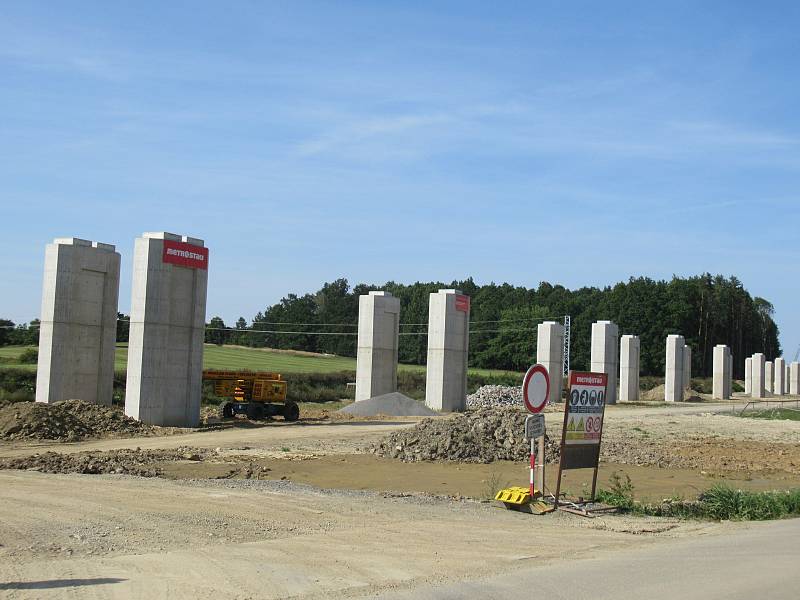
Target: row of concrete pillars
167, 326
448, 348
763, 377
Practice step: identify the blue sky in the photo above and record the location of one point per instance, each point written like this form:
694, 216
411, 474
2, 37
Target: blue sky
576, 143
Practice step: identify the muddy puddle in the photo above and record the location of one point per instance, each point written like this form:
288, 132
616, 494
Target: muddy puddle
368, 472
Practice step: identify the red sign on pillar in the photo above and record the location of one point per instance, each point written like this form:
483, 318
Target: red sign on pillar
185, 255
462, 303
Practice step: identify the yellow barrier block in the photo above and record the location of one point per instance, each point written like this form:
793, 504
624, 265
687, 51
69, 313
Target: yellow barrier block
514, 495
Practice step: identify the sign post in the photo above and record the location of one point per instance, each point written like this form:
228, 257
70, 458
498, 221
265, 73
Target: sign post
535, 392
583, 425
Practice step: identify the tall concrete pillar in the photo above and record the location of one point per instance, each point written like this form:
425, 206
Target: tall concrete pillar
748, 375
376, 358
673, 380
687, 370
605, 354
729, 376
758, 387
448, 347
167, 330
721, 372
78, 329
550, 354
769, 376
794, 378
779, 380
786, 379
629, 348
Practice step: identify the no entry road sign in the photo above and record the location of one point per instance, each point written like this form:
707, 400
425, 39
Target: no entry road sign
536, 388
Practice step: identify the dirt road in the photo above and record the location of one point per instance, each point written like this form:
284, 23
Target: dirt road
120, 537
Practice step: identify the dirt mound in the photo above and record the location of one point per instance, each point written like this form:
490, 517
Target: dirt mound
393, 404
480, 436
71, 420
120, 462
653, 395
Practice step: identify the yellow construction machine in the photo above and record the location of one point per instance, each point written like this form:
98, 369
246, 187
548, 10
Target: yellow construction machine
257, 394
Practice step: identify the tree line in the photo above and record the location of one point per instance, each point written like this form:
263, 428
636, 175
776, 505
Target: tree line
706, 309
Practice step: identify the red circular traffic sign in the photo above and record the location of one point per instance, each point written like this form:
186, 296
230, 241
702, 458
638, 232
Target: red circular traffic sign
536, 388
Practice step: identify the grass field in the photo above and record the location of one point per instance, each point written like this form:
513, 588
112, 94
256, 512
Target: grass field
255, 359
779, 414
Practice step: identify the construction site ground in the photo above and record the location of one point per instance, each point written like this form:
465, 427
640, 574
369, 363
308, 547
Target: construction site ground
305, 509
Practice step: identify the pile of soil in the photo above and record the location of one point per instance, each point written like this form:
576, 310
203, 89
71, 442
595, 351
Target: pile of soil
480, 436
657, 395
71, 420
393, 404
119, 462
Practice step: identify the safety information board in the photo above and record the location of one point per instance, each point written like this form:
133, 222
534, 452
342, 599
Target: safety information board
587, 403
583, 425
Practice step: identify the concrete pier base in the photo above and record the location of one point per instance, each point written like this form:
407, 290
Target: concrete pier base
78, 329
748, 375
721, 372
605, 355
168, 313
769, 376
550, 354
758, 375
729, 376
376, 356
673, 376
629, 352
779, 381
448, 348
687, 371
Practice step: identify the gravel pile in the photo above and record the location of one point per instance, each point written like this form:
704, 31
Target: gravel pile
480, 436
393, 404
71, 420
120, 462
489, 396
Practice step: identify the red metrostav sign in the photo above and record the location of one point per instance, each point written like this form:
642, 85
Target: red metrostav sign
185, 255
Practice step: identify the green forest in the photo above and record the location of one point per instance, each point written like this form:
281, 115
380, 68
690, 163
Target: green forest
705, 309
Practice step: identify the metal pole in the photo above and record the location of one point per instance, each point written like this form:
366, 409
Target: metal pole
541, 465
533, 467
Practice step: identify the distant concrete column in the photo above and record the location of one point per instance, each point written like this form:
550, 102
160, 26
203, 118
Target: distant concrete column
550, 354
758, 387
786, 380
168, 313
729, 376
687, 370
376, 358
673, 380
748, 375
779, 381
721, 372
769, 376
78, 328
629, 350
448, 348
794, 378
605, 355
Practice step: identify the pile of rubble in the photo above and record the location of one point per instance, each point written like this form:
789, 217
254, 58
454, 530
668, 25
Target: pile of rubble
119, 462
480, 436
489, 396
71, 420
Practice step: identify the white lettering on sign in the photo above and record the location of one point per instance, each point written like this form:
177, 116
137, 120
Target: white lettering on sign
185, 254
